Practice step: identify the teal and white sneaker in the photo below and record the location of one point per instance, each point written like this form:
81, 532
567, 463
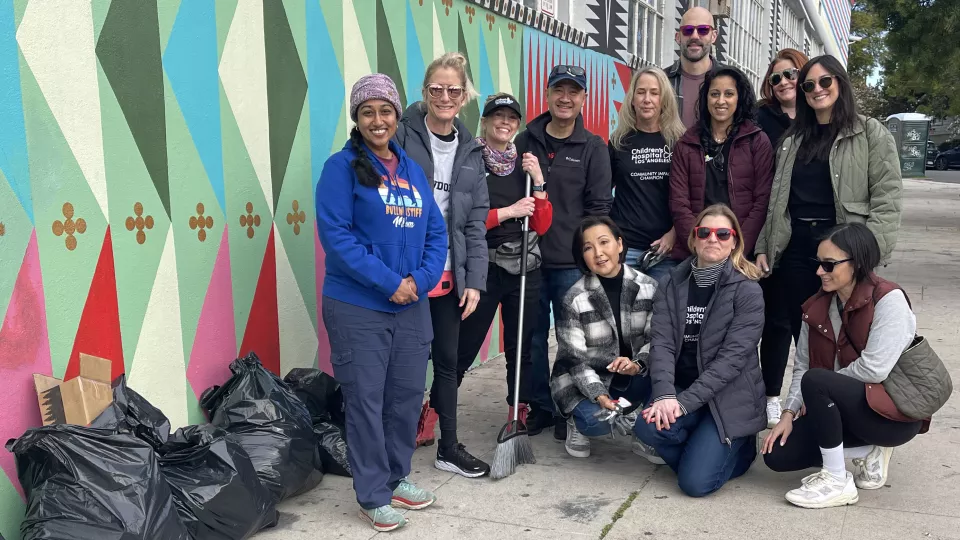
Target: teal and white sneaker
384, 518
411, 497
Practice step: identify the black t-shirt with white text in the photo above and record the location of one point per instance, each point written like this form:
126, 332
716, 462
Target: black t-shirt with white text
687, 370
641, 177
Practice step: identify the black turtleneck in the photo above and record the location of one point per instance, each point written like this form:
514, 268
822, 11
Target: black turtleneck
613, 287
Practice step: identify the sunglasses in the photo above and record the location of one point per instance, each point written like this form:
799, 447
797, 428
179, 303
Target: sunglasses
437, 90
789, 74
825, 82
562, 69
723, 233
828, 266
702, 29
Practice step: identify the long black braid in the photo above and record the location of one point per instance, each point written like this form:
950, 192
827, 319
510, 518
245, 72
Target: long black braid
366, 174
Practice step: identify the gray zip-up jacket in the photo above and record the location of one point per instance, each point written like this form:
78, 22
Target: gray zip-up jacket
730, 382
469, 200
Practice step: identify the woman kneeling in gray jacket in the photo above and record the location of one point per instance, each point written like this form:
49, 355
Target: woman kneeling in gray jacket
708, 392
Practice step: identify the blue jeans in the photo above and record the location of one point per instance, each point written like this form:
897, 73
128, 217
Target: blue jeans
659, 270
554, 284
693, 449
637, 393
380, 361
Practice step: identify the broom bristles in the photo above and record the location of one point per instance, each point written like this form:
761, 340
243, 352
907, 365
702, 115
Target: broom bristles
516, 450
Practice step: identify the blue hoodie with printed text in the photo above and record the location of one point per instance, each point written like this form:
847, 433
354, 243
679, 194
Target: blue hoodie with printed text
375, 237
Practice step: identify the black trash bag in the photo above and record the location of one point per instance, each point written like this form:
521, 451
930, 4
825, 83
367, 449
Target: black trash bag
215, 487
322, 395
84, 483
271, 424
132, 412
332, 447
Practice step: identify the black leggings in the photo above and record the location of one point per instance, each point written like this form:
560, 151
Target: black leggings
446, 311
792, 282
837, 412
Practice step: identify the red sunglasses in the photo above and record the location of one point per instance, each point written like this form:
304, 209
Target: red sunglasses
702, 29
723, 233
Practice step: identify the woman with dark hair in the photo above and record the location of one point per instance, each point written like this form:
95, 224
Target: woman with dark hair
438, 141
724, 159
853, 333
506, 181
708, 398
775, 114
603, 339
778, 94
374, 297
833, 166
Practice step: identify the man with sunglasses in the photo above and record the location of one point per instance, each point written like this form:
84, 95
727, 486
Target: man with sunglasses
576, 168
695, 37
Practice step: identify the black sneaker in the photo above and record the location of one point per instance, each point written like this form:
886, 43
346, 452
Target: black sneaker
458, 460
560, 430
538, 420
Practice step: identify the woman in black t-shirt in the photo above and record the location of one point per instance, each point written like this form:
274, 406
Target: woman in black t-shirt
640, 151
506, 177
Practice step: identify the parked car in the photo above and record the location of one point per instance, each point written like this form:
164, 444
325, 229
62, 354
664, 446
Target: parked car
947, 159
931, 154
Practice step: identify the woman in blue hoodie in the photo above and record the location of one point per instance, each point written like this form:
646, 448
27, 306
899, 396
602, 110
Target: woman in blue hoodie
385, 243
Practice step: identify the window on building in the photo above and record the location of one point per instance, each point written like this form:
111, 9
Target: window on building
744, 39
645, 27
790, 30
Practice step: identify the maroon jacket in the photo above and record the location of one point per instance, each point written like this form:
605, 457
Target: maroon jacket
856, 319
749, 178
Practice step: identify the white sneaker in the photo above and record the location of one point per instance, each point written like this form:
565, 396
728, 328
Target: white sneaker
646, 451
824, 490
872, 470
577, 445
774, 410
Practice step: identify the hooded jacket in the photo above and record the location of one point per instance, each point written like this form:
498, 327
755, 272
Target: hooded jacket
579, 184
469, 200
867, 187
730, 382
749, 178
374, 237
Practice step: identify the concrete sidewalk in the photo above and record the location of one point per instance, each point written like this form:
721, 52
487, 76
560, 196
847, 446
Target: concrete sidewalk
617, 494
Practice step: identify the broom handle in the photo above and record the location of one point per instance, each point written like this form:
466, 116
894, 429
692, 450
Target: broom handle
523, 294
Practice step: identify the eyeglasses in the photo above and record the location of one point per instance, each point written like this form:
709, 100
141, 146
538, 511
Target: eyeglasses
563, 69
824, 82
436, 91
789, 74
723, 233
702, 29
828, 266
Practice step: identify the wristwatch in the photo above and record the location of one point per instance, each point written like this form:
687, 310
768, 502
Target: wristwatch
541, 187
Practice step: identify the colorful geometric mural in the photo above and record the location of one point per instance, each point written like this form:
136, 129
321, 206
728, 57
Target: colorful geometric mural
157, 167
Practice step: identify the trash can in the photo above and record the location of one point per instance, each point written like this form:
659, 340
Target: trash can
910, 131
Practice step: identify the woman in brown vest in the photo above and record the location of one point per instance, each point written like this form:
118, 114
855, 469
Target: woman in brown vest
854, 331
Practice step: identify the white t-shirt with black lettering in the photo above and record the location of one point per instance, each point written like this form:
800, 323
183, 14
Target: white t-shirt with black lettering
444, 153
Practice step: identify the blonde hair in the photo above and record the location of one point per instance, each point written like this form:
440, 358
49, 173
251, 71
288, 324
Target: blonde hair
737, 258
670, 124
491, 97
458, 63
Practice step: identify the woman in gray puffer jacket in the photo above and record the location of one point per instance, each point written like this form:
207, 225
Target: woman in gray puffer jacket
432, 135
708, 392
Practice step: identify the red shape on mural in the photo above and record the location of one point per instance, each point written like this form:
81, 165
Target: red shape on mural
99, 330
262, 334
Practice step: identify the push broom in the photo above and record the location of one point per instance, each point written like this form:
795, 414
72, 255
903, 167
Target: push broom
513, 442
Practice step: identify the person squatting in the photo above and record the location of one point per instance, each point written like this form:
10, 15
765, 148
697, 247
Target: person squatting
737, 227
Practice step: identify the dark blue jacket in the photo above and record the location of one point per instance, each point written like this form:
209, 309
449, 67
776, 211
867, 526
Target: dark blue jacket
375, 237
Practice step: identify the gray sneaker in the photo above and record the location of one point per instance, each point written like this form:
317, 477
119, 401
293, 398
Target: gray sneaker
383, 519
646, 451
577, 445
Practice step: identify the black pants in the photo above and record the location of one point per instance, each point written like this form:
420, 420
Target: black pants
446, 311
837, 412
792, 282
503, 290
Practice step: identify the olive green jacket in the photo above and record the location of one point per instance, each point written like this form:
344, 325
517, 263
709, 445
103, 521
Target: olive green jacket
867, 187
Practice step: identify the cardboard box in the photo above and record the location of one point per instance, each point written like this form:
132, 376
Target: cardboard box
77, 401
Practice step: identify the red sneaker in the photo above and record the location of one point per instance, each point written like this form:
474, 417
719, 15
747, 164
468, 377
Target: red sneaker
521, 414
426, 426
